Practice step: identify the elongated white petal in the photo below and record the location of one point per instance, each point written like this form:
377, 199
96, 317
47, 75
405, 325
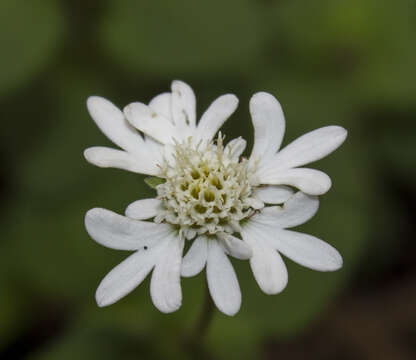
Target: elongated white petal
112, 123
235, 247
106, 157
310, 181
119, 232
196, 257
144, 209
236, 147
310, 147
222, 280
183, 105
165, 286
126, 276
269, 126
306, 250
162, 105
267, 265
155, 148
295, 211
273, 194
142, 117
211, 121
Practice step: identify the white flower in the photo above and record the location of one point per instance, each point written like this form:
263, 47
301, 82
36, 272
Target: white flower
210, 196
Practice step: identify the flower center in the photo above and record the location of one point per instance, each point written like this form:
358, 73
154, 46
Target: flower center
207, 189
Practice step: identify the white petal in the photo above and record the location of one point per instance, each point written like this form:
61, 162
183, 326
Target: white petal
267, 265
236, 147
162, 105
112, 123
269, 126
306, 250
211, 121
295, 211
142, 117
310, 181
144, 209
119, 232
235, 247
106, 157
222, 280
310, 147
126, 276
183, 104
165, 286
155, 148
255, 203
273, 194
196, 257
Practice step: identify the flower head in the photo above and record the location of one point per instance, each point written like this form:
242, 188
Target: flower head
209, 195
207, 189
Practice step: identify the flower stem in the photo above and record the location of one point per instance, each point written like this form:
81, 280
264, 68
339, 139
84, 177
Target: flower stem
196, 338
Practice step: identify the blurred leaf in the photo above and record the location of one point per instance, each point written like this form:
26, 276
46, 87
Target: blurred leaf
397, 151
89, 343
11, 306
183, 37
367, 46
29, 35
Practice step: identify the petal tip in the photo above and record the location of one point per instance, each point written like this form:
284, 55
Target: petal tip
137, 109
128, 109
274, 288
338, 261
178, 83
186, 273
101, 300
94, 101
339, 133
231, 313
89, 155
263, 97
320, 188
93, 212
129, 211
344, 134
169, 308
100, 303
230, 310
91, 217
232, 100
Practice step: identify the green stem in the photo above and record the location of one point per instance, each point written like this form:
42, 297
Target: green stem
196, 338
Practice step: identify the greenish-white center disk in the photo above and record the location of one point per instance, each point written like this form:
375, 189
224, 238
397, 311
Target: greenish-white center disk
207, 189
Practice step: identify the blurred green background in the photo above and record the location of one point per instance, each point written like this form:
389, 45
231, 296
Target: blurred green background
348, 63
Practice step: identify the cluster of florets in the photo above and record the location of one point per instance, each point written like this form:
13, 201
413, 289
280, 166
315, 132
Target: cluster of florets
207, 190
